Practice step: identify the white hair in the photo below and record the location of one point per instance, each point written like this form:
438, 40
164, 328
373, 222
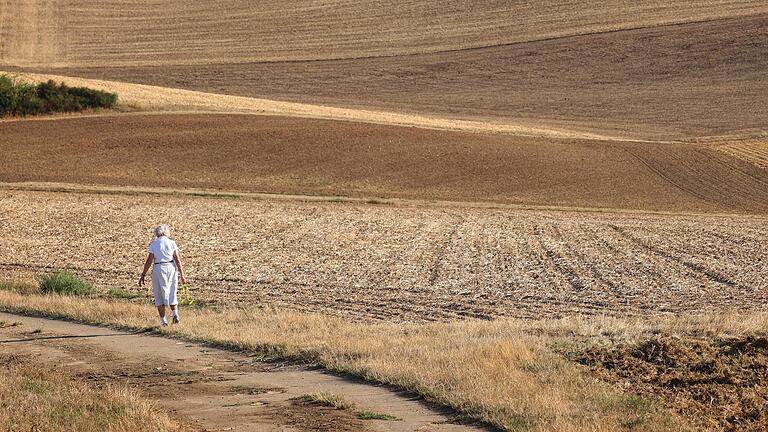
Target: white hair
162, 230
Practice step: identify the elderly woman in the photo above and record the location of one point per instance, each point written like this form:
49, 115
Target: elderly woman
166, 272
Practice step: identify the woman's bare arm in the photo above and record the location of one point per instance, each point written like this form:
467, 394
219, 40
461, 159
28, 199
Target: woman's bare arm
147, 263
177, 259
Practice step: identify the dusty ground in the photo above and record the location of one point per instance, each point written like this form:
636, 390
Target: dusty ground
305, 156
208, 389
719, 384
393, 262
639, 70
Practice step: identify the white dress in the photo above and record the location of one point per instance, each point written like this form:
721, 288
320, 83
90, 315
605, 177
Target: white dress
165, 278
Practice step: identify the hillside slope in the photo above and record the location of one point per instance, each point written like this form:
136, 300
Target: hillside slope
325, 157
130, 32
655, 70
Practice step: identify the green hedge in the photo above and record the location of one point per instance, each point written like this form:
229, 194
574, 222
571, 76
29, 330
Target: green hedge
18, 98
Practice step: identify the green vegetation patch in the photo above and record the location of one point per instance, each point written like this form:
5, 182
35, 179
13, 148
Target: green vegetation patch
65, 283
372, 415
20, 98
338, 402
122, 294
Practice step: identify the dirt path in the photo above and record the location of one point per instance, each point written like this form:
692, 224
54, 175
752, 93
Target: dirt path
209, 389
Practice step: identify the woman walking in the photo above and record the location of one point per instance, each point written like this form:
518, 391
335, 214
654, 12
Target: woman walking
166, 272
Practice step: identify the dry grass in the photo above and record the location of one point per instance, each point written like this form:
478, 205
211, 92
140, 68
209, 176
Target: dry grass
37, 398
502, 372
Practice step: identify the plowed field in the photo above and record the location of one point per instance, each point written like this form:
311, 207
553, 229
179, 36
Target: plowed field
390, 262
650, 70
305, 156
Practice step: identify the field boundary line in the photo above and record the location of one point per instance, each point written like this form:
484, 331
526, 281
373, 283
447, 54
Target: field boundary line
340, 199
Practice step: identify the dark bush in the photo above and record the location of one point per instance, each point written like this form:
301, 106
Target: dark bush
19, 98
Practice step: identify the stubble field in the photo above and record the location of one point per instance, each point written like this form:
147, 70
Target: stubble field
396, 262
392, 163
650, 70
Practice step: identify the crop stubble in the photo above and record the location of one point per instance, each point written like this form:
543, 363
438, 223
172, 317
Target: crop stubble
402, 263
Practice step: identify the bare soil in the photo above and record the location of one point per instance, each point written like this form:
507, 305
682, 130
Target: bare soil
323, 157
365, 261
636, 70
120, 33
719, 384
207, 389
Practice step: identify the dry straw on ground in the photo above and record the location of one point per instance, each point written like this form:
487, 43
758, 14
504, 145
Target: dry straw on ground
499, 371
398, 263
39, 398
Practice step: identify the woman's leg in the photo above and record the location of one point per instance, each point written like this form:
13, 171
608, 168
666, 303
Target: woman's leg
158, 293
175, 314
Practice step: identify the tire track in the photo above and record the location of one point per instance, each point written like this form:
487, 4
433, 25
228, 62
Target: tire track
434, 272
710, 274
587, 263
558, 262
669, 179
692, 174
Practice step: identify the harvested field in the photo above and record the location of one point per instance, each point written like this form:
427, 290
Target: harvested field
656, 70
305, 156
401, 263
146, 98
112, 32
658, 83
383, 164
754, 151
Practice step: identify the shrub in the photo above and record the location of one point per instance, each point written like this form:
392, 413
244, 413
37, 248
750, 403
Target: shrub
19, 98
65, 283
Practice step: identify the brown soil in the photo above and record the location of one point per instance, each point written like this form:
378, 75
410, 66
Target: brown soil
207, 389
366, 261
718, 384
124, 32
305, 156
486, 61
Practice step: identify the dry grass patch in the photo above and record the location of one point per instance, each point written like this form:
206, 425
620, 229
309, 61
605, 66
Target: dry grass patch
36, 398
502, 372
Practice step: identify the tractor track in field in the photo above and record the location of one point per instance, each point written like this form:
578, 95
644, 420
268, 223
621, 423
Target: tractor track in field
708, 273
